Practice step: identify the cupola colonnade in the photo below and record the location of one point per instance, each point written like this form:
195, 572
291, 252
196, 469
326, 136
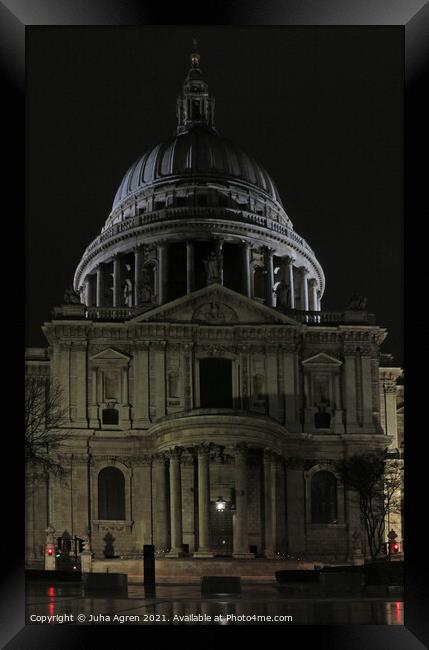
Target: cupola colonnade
157, 273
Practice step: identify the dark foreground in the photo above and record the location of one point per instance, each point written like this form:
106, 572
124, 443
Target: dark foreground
65, 603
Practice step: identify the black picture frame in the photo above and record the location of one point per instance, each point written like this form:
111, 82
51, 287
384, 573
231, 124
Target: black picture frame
413, 17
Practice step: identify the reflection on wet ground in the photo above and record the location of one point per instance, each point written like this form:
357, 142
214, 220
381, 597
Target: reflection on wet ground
181, 604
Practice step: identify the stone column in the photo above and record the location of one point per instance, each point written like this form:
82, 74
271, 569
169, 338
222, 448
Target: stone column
319, 298
272, 381
313, 294
295, 510
274, 500
244, 376
160, 380
124, 410
100, 286
162, 273
350, 391
141, 385
203, 502
188, 379
189, 493
388, 410
219, 251
143, 509
137, 274
247, 288
94, 422
81, 384
289, 275
304, 289
338, 418
367, 406
175, 504
190, 267
160, 503
279, 533
268, 522
64, 377
241, 541
117, 298
290, 392
270, 277
89, 291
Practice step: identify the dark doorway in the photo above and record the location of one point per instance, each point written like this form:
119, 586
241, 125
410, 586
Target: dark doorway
215, 383
232, 267
176, 286
221, 530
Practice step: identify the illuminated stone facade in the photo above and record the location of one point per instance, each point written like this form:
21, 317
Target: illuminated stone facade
198, 368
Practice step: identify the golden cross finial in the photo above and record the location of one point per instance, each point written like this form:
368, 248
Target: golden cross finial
195, 57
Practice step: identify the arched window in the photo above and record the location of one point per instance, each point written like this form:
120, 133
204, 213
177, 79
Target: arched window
323, 498
111, 494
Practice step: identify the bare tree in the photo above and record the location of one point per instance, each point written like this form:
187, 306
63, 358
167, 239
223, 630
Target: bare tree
378, 480
44, 417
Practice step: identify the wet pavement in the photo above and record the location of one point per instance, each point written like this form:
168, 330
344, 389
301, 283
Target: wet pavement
65, 603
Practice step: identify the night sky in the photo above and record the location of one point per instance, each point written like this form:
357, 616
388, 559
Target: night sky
320, 108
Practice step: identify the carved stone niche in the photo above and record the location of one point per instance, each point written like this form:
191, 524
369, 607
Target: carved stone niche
323, 412
109, 372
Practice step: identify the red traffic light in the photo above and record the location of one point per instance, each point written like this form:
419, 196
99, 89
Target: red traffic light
50, 551
395, 548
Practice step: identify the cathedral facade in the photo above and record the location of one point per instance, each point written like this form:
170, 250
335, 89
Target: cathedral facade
207, 394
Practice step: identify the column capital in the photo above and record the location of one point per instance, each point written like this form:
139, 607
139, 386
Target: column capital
304, 270
174, 454
204, 449
290, 260
187, 457
141, 346
143, 459
159, 346
268, 453
312, 282
159, 458
240, 449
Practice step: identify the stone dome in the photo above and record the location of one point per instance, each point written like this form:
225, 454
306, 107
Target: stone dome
196, 154
195, 210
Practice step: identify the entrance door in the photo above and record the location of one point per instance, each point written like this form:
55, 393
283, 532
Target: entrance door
215, 383
220, 530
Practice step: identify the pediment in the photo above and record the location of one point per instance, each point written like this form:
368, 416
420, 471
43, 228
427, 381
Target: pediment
215, 305
110, 354
322, 359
